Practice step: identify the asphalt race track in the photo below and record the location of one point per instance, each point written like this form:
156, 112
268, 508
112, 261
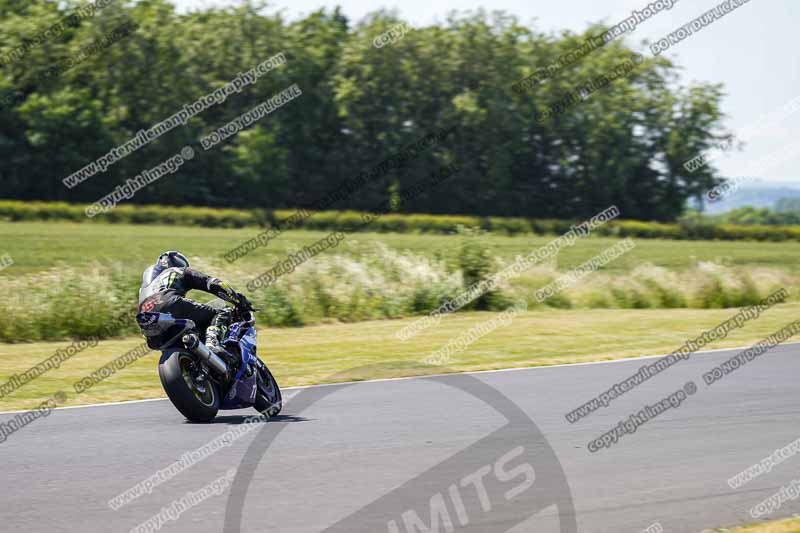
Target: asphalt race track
332, 459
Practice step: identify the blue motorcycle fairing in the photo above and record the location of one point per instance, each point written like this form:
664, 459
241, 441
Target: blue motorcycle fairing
243, 392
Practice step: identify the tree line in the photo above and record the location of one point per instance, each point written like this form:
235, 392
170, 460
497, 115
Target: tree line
624, 144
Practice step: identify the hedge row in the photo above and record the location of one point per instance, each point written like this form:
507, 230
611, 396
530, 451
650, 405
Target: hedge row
399, 223
134, 214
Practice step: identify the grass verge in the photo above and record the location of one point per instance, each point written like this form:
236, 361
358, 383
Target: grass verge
310, 355
790, 525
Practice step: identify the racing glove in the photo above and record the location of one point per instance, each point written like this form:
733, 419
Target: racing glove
222, 289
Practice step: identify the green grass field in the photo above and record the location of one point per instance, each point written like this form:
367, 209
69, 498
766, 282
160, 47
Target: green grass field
36, 246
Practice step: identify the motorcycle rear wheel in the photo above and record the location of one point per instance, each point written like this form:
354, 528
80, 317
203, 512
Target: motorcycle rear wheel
196, 398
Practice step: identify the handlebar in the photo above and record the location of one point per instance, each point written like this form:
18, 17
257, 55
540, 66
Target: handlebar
246, 313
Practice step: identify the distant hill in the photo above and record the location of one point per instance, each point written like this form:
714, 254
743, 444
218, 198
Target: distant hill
756, 195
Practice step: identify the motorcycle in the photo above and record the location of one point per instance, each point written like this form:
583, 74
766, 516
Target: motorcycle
197, 381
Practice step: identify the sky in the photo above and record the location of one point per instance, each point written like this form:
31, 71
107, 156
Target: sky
752, 51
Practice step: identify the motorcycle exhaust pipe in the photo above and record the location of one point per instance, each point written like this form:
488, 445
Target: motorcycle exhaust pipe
192, 343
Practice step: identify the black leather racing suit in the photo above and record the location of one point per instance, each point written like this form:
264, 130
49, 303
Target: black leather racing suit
164, 290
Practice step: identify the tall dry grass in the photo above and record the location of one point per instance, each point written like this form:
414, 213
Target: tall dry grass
82, 302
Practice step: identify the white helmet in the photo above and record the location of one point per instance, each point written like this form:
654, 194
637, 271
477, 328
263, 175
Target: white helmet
173, 259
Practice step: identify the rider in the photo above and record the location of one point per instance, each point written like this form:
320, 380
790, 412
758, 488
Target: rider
164, 288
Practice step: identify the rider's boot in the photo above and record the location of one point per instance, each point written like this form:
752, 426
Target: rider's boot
214, 334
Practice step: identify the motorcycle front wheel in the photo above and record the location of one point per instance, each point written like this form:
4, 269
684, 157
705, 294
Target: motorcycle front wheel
268, 396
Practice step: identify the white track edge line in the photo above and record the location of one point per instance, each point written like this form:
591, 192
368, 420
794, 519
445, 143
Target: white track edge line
381, 380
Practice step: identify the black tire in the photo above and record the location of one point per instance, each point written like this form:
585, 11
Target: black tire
268, 396
198, 402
